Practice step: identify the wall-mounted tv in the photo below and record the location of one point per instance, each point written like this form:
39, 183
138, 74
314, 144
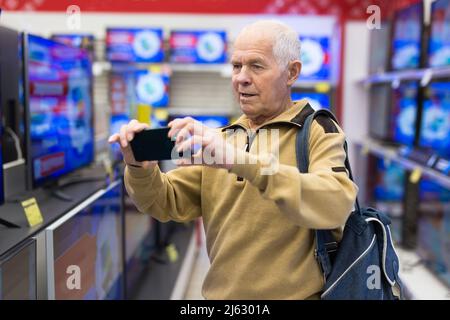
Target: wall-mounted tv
198, 46
134, 45
78, 40
85, 249
439, 42
406, 42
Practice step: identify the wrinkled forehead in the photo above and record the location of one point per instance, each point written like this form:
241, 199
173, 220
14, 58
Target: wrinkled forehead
253, 43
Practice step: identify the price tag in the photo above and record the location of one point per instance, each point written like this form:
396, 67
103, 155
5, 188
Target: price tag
322, 87
415, 175
32, 212
172, 252
143, 113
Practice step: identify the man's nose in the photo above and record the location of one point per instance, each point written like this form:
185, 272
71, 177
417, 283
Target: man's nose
243, 78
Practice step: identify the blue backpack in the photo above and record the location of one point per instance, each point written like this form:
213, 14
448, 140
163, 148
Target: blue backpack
364, 264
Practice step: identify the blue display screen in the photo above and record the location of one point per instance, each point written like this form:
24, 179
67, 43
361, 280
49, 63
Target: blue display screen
134, 45
435, 126
404, 115
60, 107
315, 58
390, 182
439, 44
91, 240
75, 40
200, 46
152, 88
316, 100
406, 43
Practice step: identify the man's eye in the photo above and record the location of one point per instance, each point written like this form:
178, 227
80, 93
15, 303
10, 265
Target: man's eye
236, 66
257, 66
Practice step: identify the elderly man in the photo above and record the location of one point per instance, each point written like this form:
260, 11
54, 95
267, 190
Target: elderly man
259, 223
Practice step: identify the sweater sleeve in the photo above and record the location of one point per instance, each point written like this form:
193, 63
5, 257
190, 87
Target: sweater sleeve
324, 197
166, 196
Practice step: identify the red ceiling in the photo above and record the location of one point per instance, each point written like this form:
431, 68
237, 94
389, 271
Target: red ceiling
347, 9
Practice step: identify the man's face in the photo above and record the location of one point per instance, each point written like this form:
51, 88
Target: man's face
259, 83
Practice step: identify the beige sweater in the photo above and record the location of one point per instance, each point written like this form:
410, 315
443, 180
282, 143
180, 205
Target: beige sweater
259, 228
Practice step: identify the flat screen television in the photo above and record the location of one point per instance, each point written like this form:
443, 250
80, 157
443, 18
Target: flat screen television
59, 111
315, 58
198, 46
439, 41
316, 100
152, 88
134, 45
18, 272
406, 42
85, 249
435, 124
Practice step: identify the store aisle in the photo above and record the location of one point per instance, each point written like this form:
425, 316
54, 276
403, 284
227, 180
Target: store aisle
201, 265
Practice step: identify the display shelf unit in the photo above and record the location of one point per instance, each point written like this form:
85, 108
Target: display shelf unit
392, 153
424, 75
419, 282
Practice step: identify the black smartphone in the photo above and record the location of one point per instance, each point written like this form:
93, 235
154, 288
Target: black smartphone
152, 144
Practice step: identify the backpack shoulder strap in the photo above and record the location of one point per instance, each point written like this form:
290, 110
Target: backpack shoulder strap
324, 238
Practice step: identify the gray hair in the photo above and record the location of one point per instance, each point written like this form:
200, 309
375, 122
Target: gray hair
286, 42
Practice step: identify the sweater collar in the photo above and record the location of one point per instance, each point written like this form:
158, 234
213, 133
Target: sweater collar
295, 115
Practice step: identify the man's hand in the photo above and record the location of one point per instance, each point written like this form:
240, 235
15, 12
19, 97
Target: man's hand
123, 137
214, 151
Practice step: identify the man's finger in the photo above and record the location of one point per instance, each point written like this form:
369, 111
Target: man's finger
123, 136
114, 138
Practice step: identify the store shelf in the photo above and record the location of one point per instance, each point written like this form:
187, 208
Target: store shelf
419, 282
392, 153
424, 75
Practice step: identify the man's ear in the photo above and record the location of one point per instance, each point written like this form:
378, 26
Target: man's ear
294, 69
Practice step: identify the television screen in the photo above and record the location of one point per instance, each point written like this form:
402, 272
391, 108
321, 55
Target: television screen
316, 100
198, 46
435, 126
439, 43
60, 109
406, 41
2, 194
85, 250
152, 88
134, 45
315, 58
404, 113
18, 273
